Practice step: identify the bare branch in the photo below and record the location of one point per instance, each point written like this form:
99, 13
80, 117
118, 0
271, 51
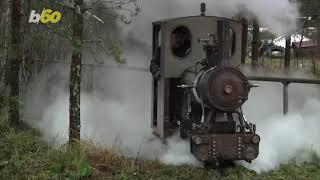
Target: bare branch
62, 34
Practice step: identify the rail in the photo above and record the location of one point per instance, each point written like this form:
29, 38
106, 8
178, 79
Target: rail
285, 82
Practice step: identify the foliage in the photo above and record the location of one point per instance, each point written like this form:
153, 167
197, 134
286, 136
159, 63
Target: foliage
267, 35
99, 17
3, 98
23, 155
116, 52
309, 7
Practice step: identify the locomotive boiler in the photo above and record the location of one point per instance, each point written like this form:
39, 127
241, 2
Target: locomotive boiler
201, 90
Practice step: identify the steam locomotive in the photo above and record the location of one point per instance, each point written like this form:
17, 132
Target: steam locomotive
201, 92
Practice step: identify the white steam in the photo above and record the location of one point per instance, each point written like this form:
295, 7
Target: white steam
278, 15
115, 112
284, 138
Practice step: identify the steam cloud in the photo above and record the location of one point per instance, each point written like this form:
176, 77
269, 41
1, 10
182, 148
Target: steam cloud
284, 138
119, 104
278, 15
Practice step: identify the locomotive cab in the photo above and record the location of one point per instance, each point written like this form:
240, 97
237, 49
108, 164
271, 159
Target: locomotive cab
201, 90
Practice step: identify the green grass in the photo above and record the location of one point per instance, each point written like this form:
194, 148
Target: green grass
24, 156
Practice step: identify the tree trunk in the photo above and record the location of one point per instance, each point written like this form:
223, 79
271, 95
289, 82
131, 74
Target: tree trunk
255, 44
318, 38
4, 36
75, 74
244, 22
287, 52
12, 75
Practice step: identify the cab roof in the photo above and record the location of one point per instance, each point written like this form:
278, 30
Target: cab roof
186, 17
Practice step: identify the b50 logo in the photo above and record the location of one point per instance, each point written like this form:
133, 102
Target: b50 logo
46, 16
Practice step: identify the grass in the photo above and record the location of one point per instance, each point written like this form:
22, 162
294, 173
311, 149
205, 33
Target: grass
24, 156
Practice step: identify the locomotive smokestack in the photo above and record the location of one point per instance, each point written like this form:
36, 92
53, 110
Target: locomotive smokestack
203, 9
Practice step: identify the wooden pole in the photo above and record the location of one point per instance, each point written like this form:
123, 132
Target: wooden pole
244, 22
255, 44
287, 52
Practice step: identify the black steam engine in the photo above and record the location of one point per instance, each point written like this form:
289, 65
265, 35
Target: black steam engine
200, 89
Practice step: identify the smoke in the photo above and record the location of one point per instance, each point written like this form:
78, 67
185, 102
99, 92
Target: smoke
284, 138
115, 112
178, 153
116, 109
278, 15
